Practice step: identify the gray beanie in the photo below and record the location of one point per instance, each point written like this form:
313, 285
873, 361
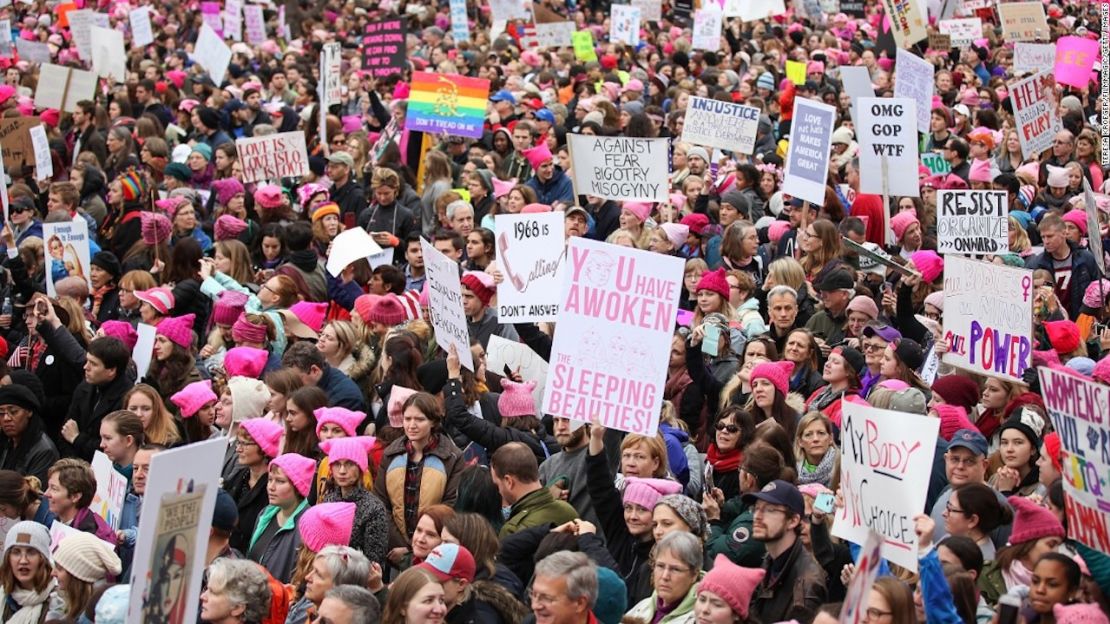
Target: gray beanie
690, 512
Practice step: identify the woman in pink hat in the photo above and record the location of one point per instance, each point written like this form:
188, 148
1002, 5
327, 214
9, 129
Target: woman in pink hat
174, 363
349, 461
256, 444
276, 540
196, 404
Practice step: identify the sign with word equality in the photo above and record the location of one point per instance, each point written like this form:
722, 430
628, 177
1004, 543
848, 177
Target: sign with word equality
888, 131
1035, 113
723, 125
915, 81
616, 318
1023, 21
453, 104
885, 461
1030, 58
807, 158
530, 252
445, 299
1080, 413
972, 222
67, 252
621, 168
383, 43
988, 317
907, 21
273, 157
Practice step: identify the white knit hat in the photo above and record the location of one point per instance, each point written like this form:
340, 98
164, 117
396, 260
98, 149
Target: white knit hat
87, 557
248, 398
28, 533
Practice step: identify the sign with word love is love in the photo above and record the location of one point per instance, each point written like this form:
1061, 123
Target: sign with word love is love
885, 462
807, 158
888, 131
1080, 413
621, 168
530, 254
988, 317
273, 157
616, 319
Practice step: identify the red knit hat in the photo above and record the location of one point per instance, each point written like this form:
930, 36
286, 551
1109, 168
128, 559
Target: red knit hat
1032, 522
516, 399
364, 304
387, 311
957, 390
952, 419
327, 524
714, 281
1052, 449
481, 284
1062, 335
778, 373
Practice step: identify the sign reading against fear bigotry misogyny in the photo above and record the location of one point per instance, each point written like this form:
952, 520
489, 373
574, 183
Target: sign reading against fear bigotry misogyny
620, 168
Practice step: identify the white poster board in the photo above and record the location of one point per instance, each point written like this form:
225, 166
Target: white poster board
255, 24
616, 320
445, 299
350, 245
144, 349
331, 63
272, 157
884, 477
963, 31
142, 34
52, 91
33, 51
530, 253
888, 131
857, 83
1030, 58
555, 34
754, 10
109, 59
44, 164
621, 168
1035, 113
624, 24
723, 125
1094, 232
80, 24
854, 610
211, 53
972, 222
67, 251
517, 357
915, 81
988, 317
650, 10
707, 28
111, 489
807, 158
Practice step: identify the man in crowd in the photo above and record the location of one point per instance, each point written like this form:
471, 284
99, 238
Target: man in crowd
516, 474
314, 370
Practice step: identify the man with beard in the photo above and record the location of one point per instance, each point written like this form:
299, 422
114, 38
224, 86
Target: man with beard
564, 473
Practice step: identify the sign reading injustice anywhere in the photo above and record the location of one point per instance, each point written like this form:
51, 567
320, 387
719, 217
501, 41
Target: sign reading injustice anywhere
972, 222
384, 47
621, 168
273, 157
723, 125
807, 158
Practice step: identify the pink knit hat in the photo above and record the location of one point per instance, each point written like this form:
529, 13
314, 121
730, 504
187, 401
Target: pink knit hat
1032, 522
356, 450
980, 171
245, 362
778, 373
714, 281
516, 399
178, 330
155, 227
1102, 370
307, 191
122, 331
299, 469
311, 313
647, 492
397, 398
928, 263
864, 305
193, 397
388, 311
266, 433
1078, 218
245, 331
902, 222
363, 305
226, 189
1079, 613
676, 233
327, 524
952, 419
538, 155
1097, 293
776, 230
640, 210
347, 420
229, 227
160, 298
732, 583
229, 305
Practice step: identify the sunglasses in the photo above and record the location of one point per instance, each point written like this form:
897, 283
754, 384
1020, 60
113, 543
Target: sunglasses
728, 428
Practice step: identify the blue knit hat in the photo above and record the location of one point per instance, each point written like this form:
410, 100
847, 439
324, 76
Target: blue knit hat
612, 597
765, 81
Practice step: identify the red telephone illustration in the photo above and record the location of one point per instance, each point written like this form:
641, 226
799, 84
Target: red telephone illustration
503, 256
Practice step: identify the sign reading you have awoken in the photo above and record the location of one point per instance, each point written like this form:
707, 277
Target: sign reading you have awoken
620, 168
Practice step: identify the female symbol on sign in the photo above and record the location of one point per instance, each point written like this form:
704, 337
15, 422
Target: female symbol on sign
1026, 283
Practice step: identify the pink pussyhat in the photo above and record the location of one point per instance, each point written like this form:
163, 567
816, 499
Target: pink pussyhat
178, 330
265, 433
299, 469
327, 524
311, 313
122, 331
245, 362
502, 187
347, 420
193, 397
355, 450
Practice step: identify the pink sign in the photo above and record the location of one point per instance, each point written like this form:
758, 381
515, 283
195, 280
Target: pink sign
210, 12
1075, 58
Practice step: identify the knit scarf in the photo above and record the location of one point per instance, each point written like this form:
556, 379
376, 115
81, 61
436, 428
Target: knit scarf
1017, 574
30, 604
821, 473
98, 297
825, 398
726, 462
988, 423
304, 260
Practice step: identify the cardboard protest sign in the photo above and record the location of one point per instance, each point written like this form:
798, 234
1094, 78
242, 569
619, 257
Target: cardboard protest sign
754, 10
963, 31
40, 144
650, 10
622, 168
445, 298
530, 252
384, 47
1023, 21
723, 125
255, 23
616, 320
1030, 58
972, 222
1094, 233
807, 158
624, 24
505, 356
1075, 58
331, 63
907, 21
33, 51
854, 610
554, 34
857, 83
583, 42
707, 28
350, 245
111, 488
1080, 413
888, 131
884, 477
19, 147
452, 104
940, 41
142, 34
1035, 113
915, 81
988, 317
109, 59
212, 54
460, 23
180, 498
273, 157
67, 251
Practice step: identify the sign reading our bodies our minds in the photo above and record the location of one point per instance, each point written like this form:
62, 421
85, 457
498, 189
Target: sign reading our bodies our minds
972, 222
530, 252
616, 319
620, 168
723, 125
1080, 413
988, 317
885, 462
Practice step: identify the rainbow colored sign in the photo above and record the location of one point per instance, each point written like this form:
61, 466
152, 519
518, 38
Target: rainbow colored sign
452, 104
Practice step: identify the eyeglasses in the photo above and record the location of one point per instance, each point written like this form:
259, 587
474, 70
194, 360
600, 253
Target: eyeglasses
542, 599
763, 511
663, 569
242, 442
966, 462
728, 428
872, 347
950, 509
874, 614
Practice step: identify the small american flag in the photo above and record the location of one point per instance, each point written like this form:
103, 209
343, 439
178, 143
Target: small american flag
525, 34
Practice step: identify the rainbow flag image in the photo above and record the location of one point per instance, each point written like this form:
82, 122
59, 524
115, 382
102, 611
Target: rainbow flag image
452, 104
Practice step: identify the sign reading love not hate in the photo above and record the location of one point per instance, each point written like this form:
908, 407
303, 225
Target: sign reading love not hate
616, 320
885, 462
621, 168
807, 158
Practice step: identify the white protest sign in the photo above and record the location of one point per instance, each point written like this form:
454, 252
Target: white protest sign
888, 130
854, 610
624, 24
907, 21
111, 488
972, 222
1030, 58
144, 349
650, 10
109, 58
555, 34
754, 10
857, 83
616, 321
988, 317
707, 28
350, 245
331, 62
915, 81
33, 51
1094, 232
530, 255
1023, 21
508, 10
233, 19
80, 23
460, 23
274, 156
445, 299
212, 54
142, 34
963, 31
723, 125
504, 356
1035, 113
67, 251
885, 462
5, 37
621, 168
807, 158
255, 24
44, 165
177, 518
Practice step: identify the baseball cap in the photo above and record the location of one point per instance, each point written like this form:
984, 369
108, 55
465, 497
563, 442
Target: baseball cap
545, 115
886, 332
342, 158
503, 96
448, 562
836, 280
573, 209
971, 440
779, 492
